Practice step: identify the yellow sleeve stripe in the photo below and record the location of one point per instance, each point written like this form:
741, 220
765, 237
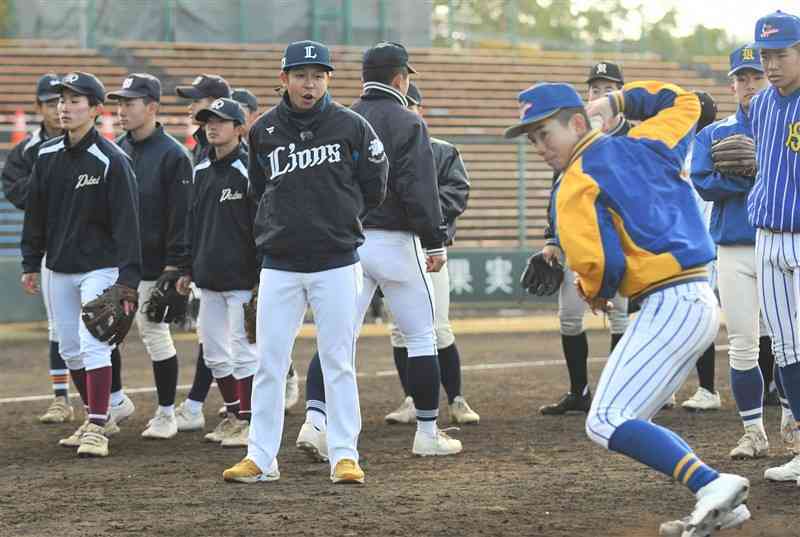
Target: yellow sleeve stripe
692, 469
681, 463
672, 124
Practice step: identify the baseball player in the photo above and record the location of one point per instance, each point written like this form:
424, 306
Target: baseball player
249, 102
316, 167
223, 264
604, 77
627, 223
404, 242
82, 210
163, 171
453, 186
773, 209
728, 188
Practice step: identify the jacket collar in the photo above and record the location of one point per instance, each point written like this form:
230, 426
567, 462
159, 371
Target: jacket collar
86, 141
741, 116
582, 145
230, 157
381, 89
153, 135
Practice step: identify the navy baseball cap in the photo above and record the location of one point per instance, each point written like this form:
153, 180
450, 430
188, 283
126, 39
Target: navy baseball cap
306, 52
605, 71
387, 54
205, 86
246, 98
46, 87
414, 97
541, 101
82, 84
223, 108
745, 57
138, 85
777, 30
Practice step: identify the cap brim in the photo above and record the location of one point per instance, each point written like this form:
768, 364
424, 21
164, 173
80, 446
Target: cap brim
189, 92
758, 68
609, 78
125, 94
327, 66
516, 130
44, 97
411, 69
206, 113
783, 43
80, 91
412, 100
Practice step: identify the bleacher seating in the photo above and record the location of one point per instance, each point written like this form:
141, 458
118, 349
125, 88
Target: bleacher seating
470, 97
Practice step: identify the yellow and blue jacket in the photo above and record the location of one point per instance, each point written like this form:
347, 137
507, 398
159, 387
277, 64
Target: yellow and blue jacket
625, 218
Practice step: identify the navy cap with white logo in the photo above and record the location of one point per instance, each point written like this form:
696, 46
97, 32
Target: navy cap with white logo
138, 85
205, 86
83, 84
307, 52
46, 87
386, 54
246, 98
227, 109
605, 71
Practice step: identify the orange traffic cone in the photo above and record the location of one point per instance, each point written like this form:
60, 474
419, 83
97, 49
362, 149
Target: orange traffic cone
20, 127
107, 127
190, 142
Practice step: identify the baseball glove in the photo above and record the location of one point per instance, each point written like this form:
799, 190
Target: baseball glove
166, 304
735, 155
105, 316
540, 277
250, 311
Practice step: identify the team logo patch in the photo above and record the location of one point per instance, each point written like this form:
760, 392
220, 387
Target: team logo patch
229, 194
523, 109
376, 151
793, 139
748, 55
602, 69
307, 158
70, 78
310, 53
216, 105
768, 30
85, 179
270, 130
127, 83
54, 82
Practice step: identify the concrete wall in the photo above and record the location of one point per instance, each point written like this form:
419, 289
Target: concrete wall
15, 304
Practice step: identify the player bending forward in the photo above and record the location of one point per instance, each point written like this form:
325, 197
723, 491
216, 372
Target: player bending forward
627, 222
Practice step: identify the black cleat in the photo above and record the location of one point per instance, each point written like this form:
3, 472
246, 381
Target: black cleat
568, 403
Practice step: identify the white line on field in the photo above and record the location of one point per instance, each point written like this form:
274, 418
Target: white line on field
385, 373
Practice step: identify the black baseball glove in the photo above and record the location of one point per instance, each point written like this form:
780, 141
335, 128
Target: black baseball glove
540, 277
166, 304
105, 316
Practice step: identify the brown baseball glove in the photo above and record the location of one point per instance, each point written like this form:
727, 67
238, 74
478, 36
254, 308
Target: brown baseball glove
735, 155
105, 316
250, 313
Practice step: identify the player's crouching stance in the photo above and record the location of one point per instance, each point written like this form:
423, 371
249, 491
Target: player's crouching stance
316, 167
83, 212
223, 265
627, 222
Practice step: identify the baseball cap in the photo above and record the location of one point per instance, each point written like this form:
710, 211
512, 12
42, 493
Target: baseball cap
745, 57
46, 87
83, 84
306, 52
605, 71
138, 85
246, 98
414, 97
708, 110
223, 108
205, 86
777, 30
541, 101
387, 54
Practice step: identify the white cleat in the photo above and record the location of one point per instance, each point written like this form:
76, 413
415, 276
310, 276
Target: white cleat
162, 426
59, 411
786, 472
93, 442
223, 429
122, 411
789, 431
74, 440
702, 400
187, 420
753, 445
715, 502
238, 436
732, 520
313, 442
461, 413
405, 413
292, 390
439, 444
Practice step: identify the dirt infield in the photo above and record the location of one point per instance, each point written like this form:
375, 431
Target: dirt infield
520, 474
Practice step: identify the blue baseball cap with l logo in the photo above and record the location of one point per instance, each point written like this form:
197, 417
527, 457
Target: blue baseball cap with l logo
745, 57
306, 52
541, 101
777, 30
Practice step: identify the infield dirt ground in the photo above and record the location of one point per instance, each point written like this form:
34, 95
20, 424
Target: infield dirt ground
521, 474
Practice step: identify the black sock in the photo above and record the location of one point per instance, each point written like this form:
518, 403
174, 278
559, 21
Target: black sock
61, 378
450, 369
400, 362
116, 371
315, 383
576, 352
705, 368
166, 375
202, 378
766, 361
614, 340
423, 385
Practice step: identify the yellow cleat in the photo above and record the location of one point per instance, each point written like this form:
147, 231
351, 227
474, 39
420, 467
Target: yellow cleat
347, 471
59, 411
246, 471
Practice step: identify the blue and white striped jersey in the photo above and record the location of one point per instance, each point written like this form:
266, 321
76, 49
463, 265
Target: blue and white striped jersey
774, 201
